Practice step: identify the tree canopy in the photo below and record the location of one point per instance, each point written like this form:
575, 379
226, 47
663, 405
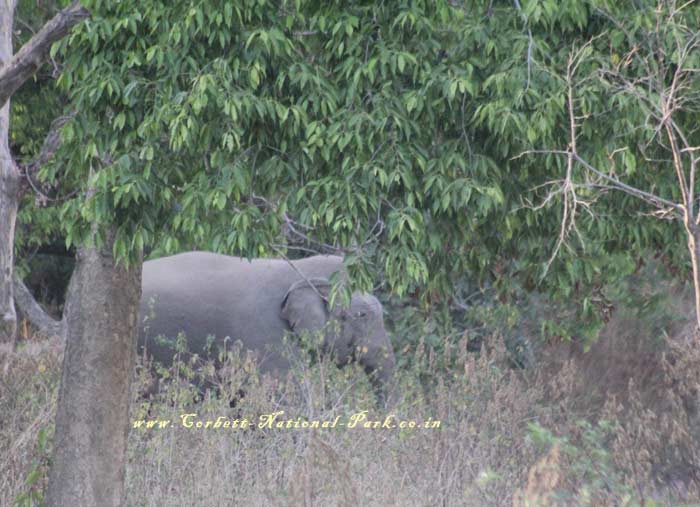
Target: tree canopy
400, 134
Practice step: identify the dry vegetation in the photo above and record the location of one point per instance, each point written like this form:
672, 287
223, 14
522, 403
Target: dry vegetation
616, 426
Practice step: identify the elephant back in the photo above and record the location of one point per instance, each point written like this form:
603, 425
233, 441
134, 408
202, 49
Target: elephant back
203, 295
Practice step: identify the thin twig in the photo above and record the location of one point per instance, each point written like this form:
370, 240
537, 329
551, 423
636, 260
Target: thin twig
529, 44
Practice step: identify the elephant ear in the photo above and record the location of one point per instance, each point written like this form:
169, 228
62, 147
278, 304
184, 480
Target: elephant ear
305, 305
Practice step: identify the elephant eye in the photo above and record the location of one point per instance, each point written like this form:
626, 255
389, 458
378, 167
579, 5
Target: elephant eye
361, 314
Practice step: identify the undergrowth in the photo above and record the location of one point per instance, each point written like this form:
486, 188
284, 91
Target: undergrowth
566, 433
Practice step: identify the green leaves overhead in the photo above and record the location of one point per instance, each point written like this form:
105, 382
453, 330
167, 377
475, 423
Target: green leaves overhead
208, 124
393, 130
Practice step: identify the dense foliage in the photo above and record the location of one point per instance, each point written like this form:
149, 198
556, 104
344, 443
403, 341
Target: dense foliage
394, 132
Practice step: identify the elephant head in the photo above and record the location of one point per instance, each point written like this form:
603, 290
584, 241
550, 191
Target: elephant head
349, 333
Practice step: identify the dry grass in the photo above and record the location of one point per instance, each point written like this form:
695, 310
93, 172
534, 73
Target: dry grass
564, 435
28, 381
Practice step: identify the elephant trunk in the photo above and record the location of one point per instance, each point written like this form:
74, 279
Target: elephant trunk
378, 362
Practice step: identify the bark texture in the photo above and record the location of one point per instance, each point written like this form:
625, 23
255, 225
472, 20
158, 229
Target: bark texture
9, 188
693, 233
93, 408
9, 202
34, 53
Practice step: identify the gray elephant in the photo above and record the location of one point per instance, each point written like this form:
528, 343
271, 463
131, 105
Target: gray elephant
203, 294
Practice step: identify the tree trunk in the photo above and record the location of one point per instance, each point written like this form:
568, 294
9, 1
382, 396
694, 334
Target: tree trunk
9, 202
693, 233
9, 189
92, 418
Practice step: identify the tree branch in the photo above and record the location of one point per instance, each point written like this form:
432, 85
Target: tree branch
48, 149
33, 54
35, 313
657, 201
50, 145
530, 43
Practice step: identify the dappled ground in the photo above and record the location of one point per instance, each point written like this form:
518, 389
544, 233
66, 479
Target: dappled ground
616, 426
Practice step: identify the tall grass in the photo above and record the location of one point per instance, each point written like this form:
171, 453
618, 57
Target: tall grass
556, 435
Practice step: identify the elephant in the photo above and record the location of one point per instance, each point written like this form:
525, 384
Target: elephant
258, 301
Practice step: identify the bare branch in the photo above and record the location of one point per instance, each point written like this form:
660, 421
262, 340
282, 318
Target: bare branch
678, 166
35, 313
33, 54
677, 160
657, 201
530, 43
277, 246
48, 150
296, 235
291, 265
50, 144
305, 33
